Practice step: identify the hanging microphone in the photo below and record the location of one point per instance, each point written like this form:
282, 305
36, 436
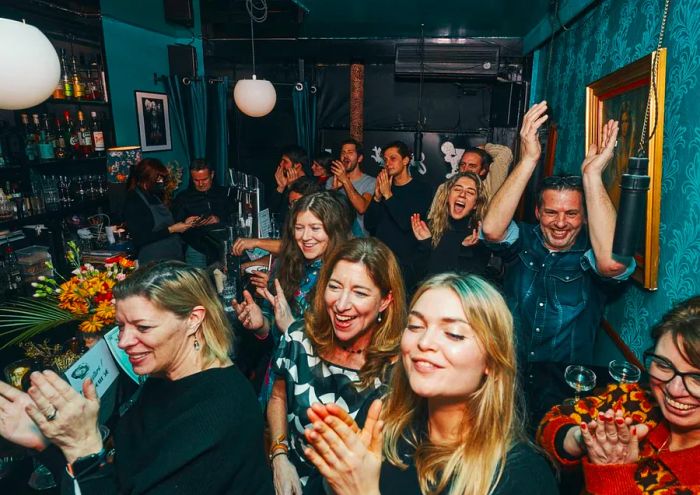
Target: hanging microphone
633, 201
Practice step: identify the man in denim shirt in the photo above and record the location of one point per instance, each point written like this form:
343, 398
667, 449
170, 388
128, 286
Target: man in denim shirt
560, 270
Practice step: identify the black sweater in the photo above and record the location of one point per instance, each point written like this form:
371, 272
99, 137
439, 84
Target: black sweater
200, 434
451, 255
390, 220
139, 219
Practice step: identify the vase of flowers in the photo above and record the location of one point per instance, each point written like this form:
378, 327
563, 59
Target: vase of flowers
85, 297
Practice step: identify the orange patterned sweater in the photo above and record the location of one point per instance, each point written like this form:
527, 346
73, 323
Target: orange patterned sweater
658, 471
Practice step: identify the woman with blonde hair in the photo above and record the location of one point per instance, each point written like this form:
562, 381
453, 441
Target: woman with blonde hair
450, 238
341, 353
194, 425
449, 424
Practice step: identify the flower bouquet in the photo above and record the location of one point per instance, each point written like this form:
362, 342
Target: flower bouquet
85, 297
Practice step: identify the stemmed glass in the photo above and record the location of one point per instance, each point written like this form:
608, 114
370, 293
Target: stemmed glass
581, 379
624, 371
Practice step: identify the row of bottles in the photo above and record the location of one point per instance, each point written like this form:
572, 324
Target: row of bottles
80, 81
48, 138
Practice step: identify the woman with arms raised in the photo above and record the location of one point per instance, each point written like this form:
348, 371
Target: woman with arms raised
193, 427
632, 440
449, 424
341, 353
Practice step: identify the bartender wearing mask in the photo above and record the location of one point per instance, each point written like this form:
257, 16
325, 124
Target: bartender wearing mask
153, 230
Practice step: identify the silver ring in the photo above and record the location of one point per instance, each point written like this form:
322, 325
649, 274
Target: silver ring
52, 416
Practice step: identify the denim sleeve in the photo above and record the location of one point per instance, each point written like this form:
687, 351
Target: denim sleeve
589, 257
512, 235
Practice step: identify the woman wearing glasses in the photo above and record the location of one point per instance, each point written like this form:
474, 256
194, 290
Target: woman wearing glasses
632, 440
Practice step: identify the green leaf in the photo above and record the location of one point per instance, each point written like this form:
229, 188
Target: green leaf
30, 317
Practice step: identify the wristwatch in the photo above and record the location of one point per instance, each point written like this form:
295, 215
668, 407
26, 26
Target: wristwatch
87, 464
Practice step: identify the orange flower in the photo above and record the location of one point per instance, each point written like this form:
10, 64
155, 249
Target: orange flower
91, 325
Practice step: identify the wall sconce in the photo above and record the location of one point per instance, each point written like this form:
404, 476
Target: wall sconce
30, 66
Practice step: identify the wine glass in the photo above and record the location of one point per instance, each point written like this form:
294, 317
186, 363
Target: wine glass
581, 379
624, 371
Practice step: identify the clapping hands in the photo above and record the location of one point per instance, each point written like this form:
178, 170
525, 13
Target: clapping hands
420, 229
382, 188
611, 439
283, 312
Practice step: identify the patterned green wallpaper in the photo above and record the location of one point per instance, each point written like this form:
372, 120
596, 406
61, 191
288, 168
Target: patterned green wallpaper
613, 34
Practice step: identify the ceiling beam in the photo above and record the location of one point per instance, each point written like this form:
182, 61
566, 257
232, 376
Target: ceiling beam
568, 10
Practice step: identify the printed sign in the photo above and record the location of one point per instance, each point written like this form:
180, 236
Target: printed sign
96, 364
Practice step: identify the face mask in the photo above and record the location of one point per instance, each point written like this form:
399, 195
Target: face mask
158, 188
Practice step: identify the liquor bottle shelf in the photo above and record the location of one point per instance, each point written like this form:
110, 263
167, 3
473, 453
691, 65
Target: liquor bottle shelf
79, 207
71, 162
74, 101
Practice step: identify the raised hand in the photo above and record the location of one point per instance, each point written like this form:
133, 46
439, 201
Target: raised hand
248, 312
280, 178
384, 183
66, 418
319, 412
283, 313
15, 424
611, 439
338, 171
472, 238
530, 147
420, 228
292, 175
350, 461
259, 279
598, 157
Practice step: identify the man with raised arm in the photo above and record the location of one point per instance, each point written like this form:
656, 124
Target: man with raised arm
559, 270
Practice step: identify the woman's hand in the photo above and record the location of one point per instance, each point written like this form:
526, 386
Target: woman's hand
66, 418
180, 227
260, 279
15, 424
611, 439
248, 312
472, 238
283, 312
285, 476
243, 244
420, 228
350, 461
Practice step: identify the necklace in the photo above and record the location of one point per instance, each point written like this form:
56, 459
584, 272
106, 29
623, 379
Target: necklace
353, 351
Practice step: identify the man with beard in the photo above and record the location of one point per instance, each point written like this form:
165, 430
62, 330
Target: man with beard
560, 270
349, 179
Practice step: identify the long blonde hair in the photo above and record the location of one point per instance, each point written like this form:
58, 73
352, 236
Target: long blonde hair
178, 288
439, 215
473, 465
383, 269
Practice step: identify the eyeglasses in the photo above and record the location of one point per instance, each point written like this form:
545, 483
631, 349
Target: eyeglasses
663, 370
562, 180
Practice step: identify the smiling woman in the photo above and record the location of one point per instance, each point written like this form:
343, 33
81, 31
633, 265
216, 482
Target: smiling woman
340, 354
194, 410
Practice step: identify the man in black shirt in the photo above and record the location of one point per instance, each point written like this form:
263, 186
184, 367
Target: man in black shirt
212, 204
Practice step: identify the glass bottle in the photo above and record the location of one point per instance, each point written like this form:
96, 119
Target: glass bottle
71, 137
84, 136
75, 79
65, 79
60, 148
98, 138
14, 274
30, 150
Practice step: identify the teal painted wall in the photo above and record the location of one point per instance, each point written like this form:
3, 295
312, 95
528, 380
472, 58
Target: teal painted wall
136, 37
609, 37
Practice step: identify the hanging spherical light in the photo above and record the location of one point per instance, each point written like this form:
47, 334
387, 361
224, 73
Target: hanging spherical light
254, 97
29, 66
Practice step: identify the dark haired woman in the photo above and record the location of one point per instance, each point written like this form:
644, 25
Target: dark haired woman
149, 221
450, 239
321, 167
194, 426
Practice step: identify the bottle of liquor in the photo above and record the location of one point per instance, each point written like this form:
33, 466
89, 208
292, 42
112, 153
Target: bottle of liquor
14, 274
71, 137
84, 136
94, 84
46, 139
30, 148
98, 137
65, 79
75, 79
60, 148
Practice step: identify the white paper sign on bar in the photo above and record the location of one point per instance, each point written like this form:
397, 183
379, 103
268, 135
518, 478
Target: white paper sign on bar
264, 224
96, 364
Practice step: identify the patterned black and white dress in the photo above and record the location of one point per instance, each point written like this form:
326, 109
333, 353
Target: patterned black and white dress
310, 379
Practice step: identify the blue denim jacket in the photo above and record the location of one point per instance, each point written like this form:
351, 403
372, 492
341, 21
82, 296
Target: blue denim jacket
557, 297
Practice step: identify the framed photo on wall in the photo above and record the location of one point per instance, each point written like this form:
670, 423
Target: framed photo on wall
622, 96
153, 120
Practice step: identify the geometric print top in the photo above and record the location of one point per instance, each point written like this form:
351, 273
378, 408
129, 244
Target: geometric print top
309, 379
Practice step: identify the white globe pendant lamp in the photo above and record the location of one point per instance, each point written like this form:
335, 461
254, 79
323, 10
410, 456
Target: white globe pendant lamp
255, 97
29, 66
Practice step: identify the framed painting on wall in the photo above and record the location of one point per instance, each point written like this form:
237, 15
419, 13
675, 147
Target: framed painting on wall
622, 96
153, 121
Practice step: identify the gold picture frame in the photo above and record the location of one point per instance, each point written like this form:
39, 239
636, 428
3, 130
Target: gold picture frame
622, 95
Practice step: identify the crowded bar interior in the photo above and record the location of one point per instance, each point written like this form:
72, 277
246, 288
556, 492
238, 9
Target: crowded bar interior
295, 247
